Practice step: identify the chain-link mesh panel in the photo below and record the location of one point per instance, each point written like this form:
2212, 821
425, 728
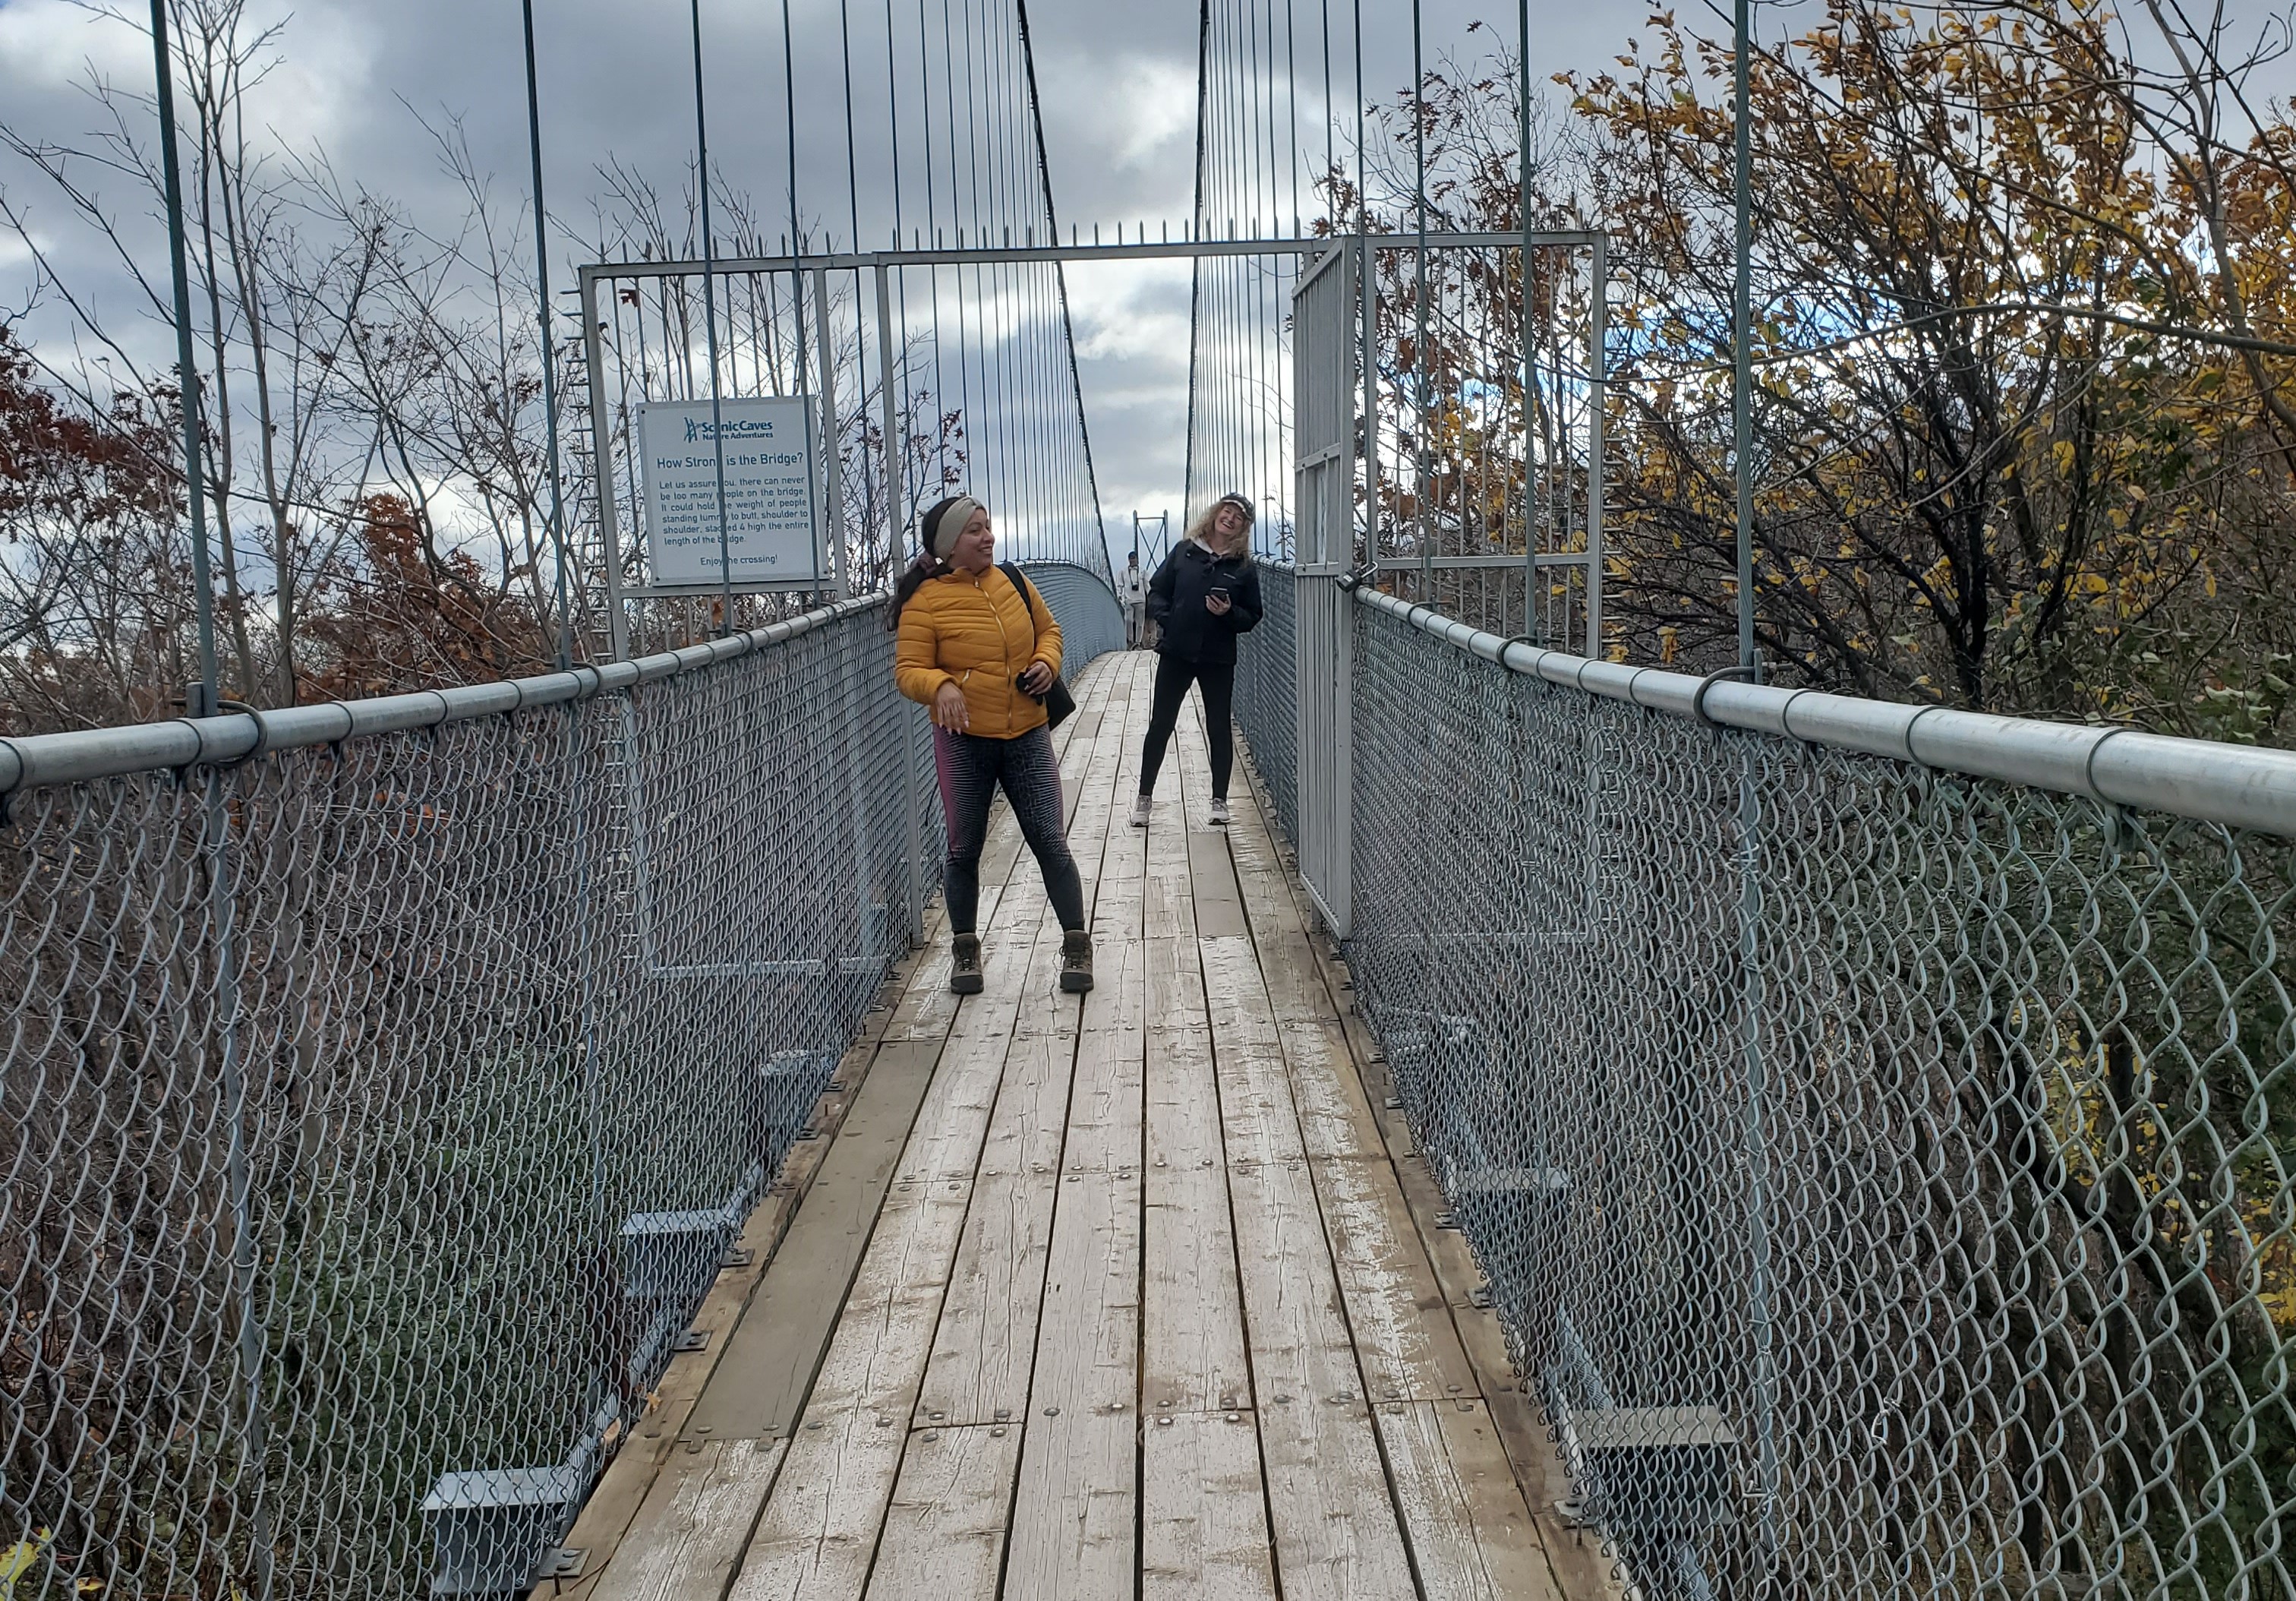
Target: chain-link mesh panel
1902, 1208
1267, 695
377, 1115
1092, 623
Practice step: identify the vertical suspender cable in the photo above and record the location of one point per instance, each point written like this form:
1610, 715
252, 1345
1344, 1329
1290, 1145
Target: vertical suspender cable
216, 849
549, 348
709, 328
1419, 348
1330, 123
1291, 102
852, 157
1529, 368
1061, 282
1197, 267
187, 374
1741, 397
1750, 813
896, 438
957, 222
1368, 292
853, 225
593, 1110
821, 438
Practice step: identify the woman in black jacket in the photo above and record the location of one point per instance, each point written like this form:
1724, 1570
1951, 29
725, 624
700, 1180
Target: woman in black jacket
1206, 593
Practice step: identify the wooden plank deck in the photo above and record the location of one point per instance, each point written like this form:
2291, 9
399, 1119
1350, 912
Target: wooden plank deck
1135, 1295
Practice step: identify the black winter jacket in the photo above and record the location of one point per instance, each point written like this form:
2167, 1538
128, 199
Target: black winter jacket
1176, 601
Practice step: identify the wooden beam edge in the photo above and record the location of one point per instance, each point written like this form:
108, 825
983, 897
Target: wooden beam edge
1582, 1568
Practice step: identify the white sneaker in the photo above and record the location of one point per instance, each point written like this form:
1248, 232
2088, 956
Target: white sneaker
1221, 815
1140, 811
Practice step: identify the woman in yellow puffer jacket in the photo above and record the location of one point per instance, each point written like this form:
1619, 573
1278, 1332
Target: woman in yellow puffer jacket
979, 654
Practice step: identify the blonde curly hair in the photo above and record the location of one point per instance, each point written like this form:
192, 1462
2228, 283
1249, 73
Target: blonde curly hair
1205, 529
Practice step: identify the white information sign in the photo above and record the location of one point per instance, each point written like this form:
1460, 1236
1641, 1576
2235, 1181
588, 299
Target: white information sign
769, 496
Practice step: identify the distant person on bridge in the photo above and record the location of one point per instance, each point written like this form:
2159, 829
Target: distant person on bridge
1132, 589
978, 646
1206, 593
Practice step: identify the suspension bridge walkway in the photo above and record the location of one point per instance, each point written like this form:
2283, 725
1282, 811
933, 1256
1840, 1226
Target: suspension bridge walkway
1150, 1294
516, 1139
1748, 1143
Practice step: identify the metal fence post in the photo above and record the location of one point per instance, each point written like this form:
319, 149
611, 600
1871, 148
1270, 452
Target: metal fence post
913, 795
832, 488
238, 1182
1757, 1238
1597, 396
892, 447
602, 472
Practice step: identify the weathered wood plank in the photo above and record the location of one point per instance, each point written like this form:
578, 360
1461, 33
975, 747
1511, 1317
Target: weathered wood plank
985, 1345
622, 1490
1581, 1568
1336, 1118
1470, 1531
944, 1535
1192, 1343
1032, 1103
1203, 1521
685, 1548
1219, 903
1193, 1339
1256, 1105
769, 1361
1087, 1343
1335, 1528
1074, 1507
1175, 977
1409, 1350
1073, 1515
820, 1523
1104, 1102
986, 1342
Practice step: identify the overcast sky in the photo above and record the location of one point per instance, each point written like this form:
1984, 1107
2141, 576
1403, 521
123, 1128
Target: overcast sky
1117, 81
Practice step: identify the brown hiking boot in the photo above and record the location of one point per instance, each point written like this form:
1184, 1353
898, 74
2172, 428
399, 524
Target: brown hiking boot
965, 965
1075, 961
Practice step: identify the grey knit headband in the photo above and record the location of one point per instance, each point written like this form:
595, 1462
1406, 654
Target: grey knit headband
952, 523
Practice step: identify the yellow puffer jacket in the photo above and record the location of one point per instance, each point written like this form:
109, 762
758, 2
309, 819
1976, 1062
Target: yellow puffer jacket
982, 633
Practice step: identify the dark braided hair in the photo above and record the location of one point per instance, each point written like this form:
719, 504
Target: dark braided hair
927, 566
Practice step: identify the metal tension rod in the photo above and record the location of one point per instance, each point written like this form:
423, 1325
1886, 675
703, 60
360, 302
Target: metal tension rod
981, 255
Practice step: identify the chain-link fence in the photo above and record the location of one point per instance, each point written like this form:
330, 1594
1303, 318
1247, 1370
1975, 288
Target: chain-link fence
385, 1085
1267, 695
1092, 623
388, 1080
1899, 1208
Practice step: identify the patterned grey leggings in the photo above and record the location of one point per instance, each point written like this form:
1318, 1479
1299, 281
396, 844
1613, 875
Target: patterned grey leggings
970, 767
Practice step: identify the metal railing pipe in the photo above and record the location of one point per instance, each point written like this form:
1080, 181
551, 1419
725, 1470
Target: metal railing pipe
81, 755
2239, 786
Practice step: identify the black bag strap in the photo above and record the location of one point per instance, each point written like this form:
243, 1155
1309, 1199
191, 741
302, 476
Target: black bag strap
1029, 596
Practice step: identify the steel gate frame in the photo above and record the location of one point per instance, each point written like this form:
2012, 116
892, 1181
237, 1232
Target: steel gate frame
1324, 305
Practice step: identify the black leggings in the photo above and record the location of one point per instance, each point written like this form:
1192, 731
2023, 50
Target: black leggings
971, 768
1173, 677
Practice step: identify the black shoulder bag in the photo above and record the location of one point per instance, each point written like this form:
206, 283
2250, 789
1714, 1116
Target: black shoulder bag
1056, 701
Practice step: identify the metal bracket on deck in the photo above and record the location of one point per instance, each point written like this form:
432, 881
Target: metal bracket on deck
564, 1563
